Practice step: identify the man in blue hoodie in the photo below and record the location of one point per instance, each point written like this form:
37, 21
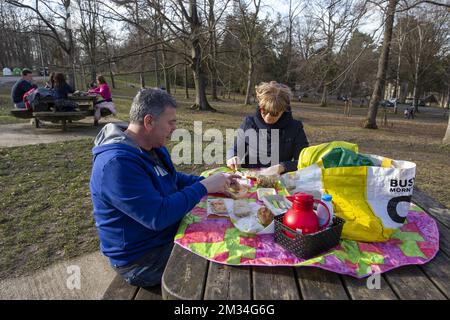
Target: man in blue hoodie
138, 196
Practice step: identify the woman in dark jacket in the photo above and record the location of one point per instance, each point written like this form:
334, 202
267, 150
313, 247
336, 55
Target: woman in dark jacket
271, 137
61, 93
62, 88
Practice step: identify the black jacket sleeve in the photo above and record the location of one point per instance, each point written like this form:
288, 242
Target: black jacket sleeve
300, 142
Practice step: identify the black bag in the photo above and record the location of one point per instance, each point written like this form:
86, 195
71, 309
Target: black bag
64, 105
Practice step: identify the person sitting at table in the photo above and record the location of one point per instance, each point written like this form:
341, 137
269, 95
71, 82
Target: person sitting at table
21, 87
50, 84
61, 93
106, 99
139, 197
272, 113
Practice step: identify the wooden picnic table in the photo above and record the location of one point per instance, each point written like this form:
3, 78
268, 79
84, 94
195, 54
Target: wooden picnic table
190, 277
85, 109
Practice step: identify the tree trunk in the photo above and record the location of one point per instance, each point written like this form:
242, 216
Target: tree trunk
93, 72
71, 73
186, 90
165, 72
249, 78
142, 80
213, 50
446, 139
324, 100
201, 102
397, 88
416, 84
158, 77
371, 121
111, 74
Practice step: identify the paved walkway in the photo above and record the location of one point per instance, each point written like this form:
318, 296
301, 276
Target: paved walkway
61, 281
20, 134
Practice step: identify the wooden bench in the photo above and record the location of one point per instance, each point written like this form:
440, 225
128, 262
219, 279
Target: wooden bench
62, 116
119, 289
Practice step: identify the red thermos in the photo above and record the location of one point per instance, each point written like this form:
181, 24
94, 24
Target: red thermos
301, 215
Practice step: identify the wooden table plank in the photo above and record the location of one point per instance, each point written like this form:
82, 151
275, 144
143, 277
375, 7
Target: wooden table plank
439, 272
119, 289
184, 275
275, 283
444, 238
153, 293
318, 284
410, 283
433, 207
228, 283
359, 290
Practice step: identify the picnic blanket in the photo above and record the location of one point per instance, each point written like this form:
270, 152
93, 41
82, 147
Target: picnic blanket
218, 240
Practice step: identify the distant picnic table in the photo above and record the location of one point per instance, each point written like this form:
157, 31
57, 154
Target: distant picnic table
85, 109
191, 277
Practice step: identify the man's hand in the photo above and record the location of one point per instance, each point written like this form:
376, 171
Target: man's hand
219, 182
233, 163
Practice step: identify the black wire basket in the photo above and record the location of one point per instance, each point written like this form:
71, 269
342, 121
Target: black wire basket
308, 245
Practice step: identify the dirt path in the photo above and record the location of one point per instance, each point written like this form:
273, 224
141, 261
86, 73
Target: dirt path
20, 134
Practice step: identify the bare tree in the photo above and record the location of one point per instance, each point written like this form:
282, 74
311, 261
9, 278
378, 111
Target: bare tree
425, 40
336, 22
89, 24
212, 57
371, 121
294, 11
55, 18
401, 33
249, 23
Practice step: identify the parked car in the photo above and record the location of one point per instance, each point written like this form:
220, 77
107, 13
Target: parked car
387, 103
43, 72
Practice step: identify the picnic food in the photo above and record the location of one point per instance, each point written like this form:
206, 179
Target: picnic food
266, 181
263, 192
241, 208
265, 216
237, 190
218, 206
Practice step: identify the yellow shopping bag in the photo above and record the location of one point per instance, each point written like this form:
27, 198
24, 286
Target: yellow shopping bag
314, 154
373, 199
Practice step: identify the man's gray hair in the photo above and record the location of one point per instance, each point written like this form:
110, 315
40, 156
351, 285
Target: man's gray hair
150, 101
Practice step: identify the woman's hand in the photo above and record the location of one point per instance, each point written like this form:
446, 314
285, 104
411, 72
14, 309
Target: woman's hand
233, 163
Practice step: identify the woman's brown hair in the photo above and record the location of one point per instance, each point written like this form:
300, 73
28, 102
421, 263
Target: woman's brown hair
101, 79
59, 80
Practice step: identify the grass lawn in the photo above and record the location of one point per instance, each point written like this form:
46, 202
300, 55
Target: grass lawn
44, 193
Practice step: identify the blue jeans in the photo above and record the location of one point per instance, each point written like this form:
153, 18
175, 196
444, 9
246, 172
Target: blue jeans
147, 271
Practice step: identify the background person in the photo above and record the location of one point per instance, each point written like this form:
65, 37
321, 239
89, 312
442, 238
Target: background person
105, 102
61, 93
21, 87
50, 84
